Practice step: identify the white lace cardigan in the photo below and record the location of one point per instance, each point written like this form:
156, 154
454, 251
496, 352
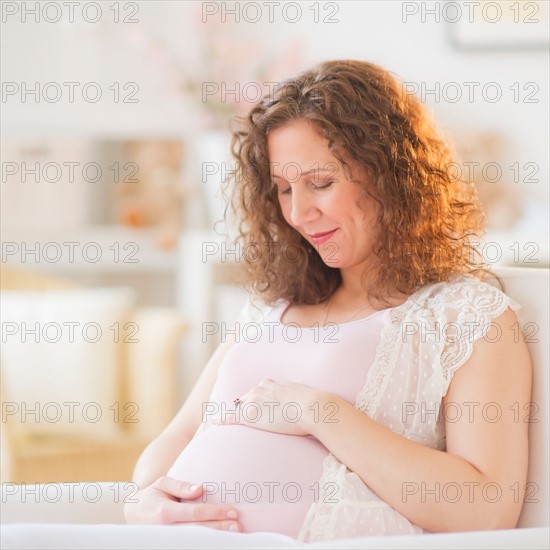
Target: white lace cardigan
428, 338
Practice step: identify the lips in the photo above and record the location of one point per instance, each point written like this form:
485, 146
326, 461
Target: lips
319, 238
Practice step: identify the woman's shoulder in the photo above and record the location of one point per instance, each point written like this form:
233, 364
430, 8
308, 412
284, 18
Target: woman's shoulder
446, 319
464, 292
463, 300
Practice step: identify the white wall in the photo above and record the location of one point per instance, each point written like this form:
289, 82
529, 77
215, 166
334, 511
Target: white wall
421, 52
415, 50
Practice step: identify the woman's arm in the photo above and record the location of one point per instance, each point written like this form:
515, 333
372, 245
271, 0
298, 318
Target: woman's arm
483, 458
165, 500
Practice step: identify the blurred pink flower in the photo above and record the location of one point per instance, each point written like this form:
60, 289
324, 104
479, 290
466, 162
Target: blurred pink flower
223, 66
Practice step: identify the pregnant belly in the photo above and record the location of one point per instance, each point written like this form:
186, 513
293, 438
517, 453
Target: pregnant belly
272, 479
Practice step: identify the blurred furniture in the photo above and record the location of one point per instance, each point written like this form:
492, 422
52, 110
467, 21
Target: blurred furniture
530, 287
521, 246
125, 256
146, 376
209, 271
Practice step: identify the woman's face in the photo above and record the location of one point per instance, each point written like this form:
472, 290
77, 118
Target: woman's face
316, 197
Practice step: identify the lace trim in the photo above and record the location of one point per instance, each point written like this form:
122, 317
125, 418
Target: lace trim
430, 302
320, 519
475, 311
378, 375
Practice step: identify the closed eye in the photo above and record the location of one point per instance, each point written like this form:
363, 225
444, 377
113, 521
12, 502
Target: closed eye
323, 186
284, 192
276, 187
288, 190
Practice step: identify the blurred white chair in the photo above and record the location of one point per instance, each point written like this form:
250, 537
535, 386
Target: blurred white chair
529, 287
146, 374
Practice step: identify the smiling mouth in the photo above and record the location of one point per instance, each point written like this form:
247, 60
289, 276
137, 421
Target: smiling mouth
318, 238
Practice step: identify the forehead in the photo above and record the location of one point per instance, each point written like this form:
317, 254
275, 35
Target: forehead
299, 144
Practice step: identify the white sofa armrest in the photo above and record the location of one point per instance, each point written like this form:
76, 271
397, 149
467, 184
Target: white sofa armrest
93, 502
537, 537
152, 368
102, 503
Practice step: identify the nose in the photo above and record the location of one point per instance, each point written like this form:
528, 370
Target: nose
303, 208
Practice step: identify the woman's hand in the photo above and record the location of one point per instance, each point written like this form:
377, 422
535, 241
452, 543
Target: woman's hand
160, 504
280, 407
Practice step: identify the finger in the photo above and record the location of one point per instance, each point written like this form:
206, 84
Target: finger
189, 512
245, 396
178, 488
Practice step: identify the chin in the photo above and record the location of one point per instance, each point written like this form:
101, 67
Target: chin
333, 261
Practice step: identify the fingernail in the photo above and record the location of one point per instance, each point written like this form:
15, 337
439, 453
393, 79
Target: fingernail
231, 514
193, 488
233, 527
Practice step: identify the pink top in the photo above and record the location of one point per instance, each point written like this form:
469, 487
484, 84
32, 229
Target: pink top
273, 479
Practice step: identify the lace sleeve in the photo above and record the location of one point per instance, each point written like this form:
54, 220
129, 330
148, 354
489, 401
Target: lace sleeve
467, 309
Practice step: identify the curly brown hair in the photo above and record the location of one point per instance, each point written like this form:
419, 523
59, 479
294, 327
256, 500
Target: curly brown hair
426, 216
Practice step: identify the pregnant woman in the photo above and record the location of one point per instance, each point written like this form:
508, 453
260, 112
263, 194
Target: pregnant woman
355, 401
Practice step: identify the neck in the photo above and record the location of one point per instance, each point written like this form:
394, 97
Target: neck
351, 287
351, 290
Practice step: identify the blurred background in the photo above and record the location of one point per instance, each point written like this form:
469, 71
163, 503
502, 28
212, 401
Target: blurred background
114, 145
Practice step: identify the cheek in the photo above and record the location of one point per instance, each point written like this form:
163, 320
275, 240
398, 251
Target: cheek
336, 207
